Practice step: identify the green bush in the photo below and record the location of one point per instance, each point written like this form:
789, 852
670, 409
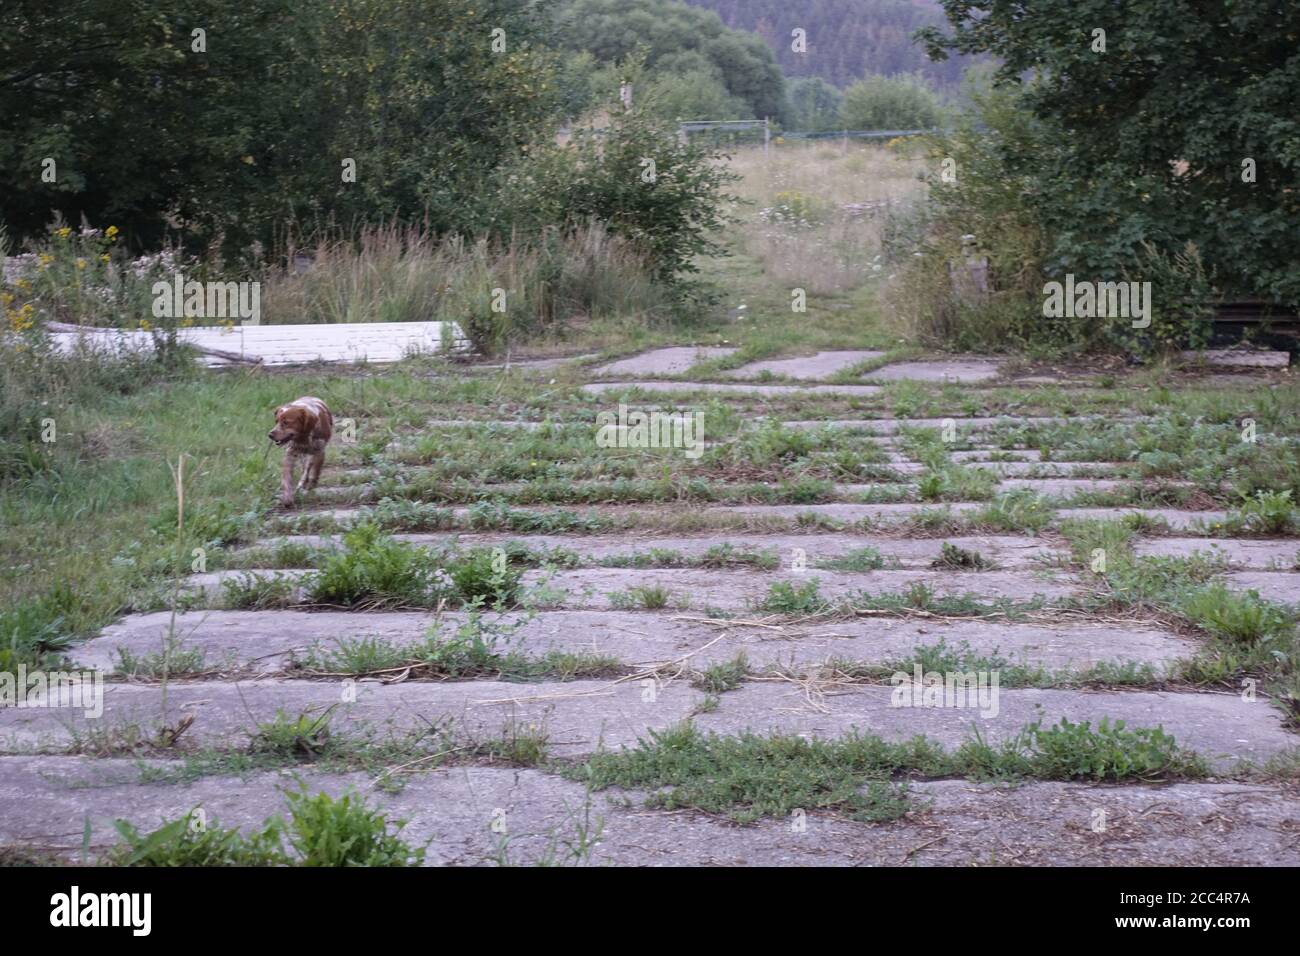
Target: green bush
814, 105
636, 177
374, 570
890, 102
250, 133
1182, 131
321, 831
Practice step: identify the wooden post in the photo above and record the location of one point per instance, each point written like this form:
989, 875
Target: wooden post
767, 133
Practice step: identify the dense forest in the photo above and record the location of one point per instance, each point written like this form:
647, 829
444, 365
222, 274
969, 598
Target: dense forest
847, 39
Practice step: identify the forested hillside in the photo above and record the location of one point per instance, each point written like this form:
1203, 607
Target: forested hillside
846, 38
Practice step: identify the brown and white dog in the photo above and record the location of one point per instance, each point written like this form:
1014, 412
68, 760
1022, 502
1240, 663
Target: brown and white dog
305, 426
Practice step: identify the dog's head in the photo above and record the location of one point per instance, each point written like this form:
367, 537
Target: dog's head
293, 423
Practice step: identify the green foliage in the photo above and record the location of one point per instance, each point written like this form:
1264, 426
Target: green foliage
890, 102
255, 592
676, 39
722, 676
325, 831
304, 735
253, 130
1153, 140
321, 831
663, 196
846, 38
749, 776
1019, 510
485, 575
814, 105
1267, 512
785, 597
1069, 751
1241, 618
187, 841
375, 570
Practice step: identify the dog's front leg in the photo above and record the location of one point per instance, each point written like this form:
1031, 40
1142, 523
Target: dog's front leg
314, 469
286, 479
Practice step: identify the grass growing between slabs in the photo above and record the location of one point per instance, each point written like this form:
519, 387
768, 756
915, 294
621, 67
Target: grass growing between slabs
748, 777
476, 649
320, 830
1248, 642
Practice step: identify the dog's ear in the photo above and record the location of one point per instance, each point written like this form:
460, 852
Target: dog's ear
280, 411
309, 421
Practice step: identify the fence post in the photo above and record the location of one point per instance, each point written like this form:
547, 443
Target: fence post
767, 133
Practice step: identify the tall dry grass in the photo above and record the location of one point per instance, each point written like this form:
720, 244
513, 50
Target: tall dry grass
495, 292
814, 211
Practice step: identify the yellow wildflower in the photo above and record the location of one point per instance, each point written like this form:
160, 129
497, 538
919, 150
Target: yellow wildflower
45, 259
104, 257
145, 324
81, 263
111, 231
65, 232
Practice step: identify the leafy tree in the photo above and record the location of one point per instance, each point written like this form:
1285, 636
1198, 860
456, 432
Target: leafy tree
665, 196
138, 124
814, 105
1181, 128
674, 38
889, 102
152, 130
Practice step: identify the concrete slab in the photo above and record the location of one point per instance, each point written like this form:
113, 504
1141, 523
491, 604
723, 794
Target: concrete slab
772, 391
1173, 517
265, 642
1005, 551
711, 587
891, 426
1065, 487
1176, 519
577, 715
700, 588
1221, 727
45, 801
580, 716
667, 361
1256, 554
1239, 358
1024, 455
821, 365
965, 371
1281, 587
371, 342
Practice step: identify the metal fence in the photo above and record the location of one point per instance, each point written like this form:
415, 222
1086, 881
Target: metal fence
688, 127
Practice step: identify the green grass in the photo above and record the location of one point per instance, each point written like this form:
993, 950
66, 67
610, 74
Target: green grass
723, 555
723, 676
474, 649
860, 559
646, 597
320, 831
256, 592
786, 597
172, 661
750, 776
375, 570
943, 658
806, 600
